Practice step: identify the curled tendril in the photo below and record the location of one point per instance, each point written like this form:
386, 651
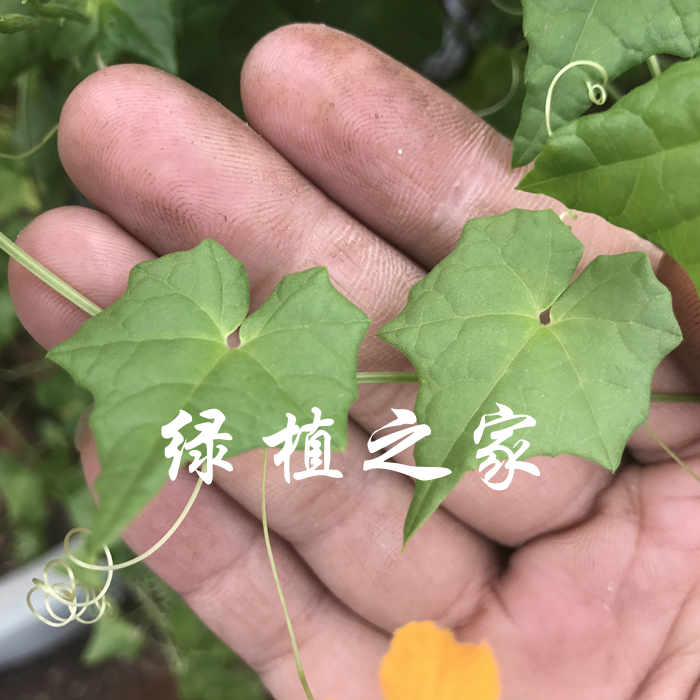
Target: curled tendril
570, 213
596, 91
67, 593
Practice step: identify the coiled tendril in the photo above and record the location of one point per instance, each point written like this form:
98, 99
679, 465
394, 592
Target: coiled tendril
596, 91
67, 594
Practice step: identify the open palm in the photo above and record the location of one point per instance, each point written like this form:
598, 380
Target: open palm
586, 585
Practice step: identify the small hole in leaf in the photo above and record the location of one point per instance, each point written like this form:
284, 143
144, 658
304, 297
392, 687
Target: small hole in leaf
544, 317
234, 340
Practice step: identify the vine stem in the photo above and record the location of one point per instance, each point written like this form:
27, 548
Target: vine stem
386, 377
670, 452
63, 288
676, 398
8, 427
33, 150
654, 66
392, 377
297, 659
514, 83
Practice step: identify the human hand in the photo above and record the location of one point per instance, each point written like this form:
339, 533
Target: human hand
369, 169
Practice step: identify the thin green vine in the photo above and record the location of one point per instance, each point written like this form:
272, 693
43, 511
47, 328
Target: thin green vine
59, 12
33, 150
676, 398
514, 83
297, 659
63, 288
386, 377
671, 453
654, 66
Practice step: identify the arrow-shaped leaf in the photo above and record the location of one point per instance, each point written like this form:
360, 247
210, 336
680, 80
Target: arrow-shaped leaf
472, 330
162, 347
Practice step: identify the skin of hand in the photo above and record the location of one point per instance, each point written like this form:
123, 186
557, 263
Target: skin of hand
586, 584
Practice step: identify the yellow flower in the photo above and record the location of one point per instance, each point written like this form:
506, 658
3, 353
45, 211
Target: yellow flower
428, 663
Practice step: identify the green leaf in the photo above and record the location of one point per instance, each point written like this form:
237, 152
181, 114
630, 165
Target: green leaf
636, 164
200, 40
163, 347
40, 101
113, 637
618, 35
472, 330
22, 491
9, 323
17, 193
24, 494
143, 29
208, 668
13, 23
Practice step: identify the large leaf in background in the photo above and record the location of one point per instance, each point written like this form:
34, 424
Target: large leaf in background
213, 42
17, 192
113, 637
230, 41
40, 100
143, 28
636, 164
162, 347
21, 50
617, 34
472, 330
9, 323
206, 669
198, 28
211, 668
408, 30
24, 494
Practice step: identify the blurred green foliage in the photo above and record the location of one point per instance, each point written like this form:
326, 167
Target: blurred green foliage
205, 42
